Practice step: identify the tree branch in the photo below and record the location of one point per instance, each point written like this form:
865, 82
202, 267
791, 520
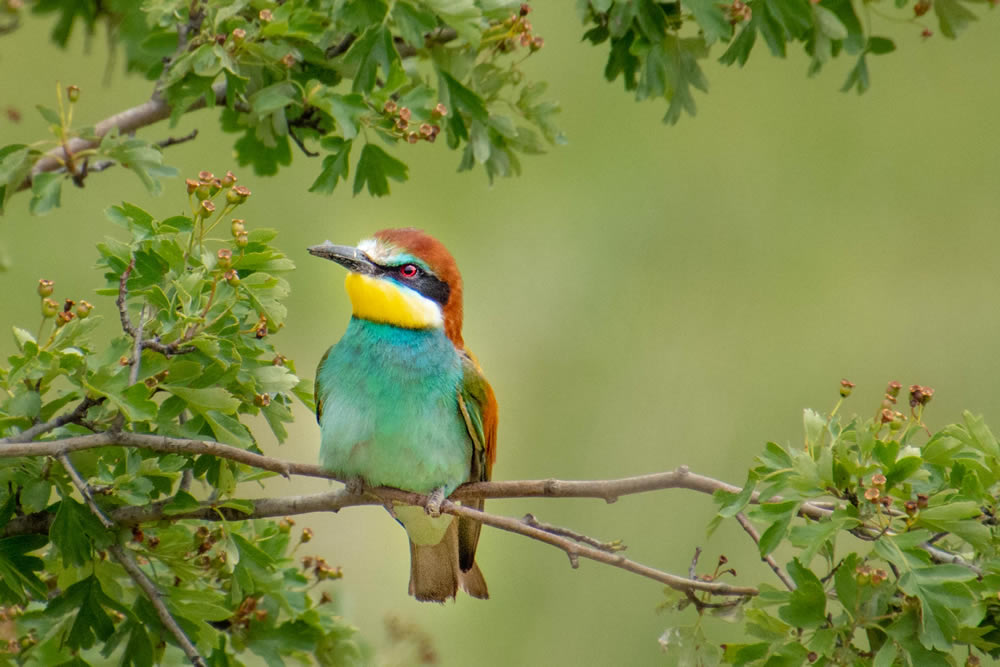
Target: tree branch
125, 559
129, 120
77, 414
773, 564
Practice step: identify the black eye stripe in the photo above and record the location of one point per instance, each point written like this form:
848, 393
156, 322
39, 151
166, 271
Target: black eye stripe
423, 283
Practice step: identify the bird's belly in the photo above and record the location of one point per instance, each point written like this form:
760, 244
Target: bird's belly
396, 426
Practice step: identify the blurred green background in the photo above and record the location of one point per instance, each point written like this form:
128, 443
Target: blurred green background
642, 298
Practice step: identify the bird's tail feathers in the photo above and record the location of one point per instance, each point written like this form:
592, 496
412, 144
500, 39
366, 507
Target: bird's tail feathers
435, 574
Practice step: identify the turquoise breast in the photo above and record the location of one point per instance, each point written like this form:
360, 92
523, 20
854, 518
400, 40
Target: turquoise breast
390, 410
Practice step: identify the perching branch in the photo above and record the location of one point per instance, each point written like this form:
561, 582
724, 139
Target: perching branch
125, 559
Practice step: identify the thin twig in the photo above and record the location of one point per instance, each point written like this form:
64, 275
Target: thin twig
613, 546
126, 561
29, 434
302, 146
742, 519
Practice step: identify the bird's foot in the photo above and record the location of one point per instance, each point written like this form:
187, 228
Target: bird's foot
433, 506
355, 486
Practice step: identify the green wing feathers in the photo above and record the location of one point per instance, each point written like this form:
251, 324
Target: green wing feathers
479, 409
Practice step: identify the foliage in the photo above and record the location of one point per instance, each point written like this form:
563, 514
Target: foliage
655, 47
903, 565
196, 360
332, 77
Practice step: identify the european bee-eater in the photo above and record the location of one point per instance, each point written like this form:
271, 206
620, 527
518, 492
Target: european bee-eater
401, 402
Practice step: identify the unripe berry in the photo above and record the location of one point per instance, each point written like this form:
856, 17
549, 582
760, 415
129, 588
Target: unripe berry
206, 209
262, 400
439, 111
65, 317
205, 176
265, 16
73, 93
232, 277
412, 137
242, 240
525, 9
404, 113
845, 388
225, 256
192, 185
288, 60
45, 287
49, 308
893, 389
229, 179
239, 35
238, 227
390, 106
83, 309
537, 43
203, 191
307, 535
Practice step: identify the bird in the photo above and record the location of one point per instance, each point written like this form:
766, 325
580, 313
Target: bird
401, 402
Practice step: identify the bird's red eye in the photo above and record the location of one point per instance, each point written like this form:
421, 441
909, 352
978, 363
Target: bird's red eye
408, 270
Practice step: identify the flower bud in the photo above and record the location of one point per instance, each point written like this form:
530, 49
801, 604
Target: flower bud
288, 60
307, 535
390, 106
872, 494
285, 525
49, 308
206, 209
525, 9
65, 317
225, 256
238, 227
232, 277
910, 507
886, 416
845, 387
229, 179
412, 137
439, 111
192, 185
205, 176
83, 309
893, 389
45, 287
73, 93
238, 35
922, 500
68, 305
537, 43
242, 240
262, 400
265, 16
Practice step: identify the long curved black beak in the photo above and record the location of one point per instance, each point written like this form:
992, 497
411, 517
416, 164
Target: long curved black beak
347, 256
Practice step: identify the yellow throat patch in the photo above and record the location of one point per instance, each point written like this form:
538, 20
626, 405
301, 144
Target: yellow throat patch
381, 300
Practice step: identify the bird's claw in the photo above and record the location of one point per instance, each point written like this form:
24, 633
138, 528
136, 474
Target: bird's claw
355, 486
433, 506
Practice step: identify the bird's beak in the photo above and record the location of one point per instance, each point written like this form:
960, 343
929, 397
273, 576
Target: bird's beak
348, 257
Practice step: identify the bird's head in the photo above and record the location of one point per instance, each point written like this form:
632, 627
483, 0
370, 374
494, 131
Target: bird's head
402, 277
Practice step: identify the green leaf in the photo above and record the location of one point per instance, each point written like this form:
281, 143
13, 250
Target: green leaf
880, 45
17, 568
374, 49
46, 192
858, 77
806, 606
87, 602
739, 49
335, 166
731, 504
953, 17
49, 115
205, 399
711, 19
182, 503
75, 531
374, 169
829, 23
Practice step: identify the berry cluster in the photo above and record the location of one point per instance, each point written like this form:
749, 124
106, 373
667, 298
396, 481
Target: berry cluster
64, 314
515, 30
401, 122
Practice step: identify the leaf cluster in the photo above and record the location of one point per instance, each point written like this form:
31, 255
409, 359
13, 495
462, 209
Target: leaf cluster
898, 560
656, 47
195, 359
